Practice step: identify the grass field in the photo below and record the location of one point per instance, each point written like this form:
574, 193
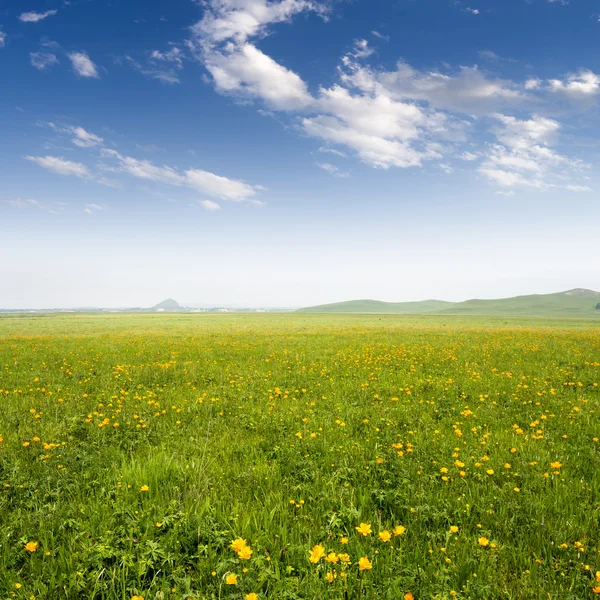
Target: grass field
382, 457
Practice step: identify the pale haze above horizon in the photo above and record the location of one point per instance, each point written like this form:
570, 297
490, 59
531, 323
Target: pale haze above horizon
288, 153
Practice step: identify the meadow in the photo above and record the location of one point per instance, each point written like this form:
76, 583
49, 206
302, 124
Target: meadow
292, 456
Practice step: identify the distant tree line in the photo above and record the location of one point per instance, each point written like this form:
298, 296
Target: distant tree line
598, 306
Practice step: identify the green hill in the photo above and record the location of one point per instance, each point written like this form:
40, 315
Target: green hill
573, 303
375, 306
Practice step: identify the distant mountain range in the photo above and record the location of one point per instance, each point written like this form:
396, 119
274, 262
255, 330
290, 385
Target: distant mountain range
573, 303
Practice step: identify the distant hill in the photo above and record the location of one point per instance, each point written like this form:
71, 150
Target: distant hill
573, 303
168, 304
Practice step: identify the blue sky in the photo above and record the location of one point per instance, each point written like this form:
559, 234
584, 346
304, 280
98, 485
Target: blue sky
293, 152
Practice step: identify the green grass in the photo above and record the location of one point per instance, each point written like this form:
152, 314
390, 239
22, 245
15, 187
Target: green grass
415, 421
574, 303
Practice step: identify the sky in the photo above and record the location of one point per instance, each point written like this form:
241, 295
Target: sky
287, 153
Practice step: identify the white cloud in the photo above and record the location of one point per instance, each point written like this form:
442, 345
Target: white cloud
2, 39
332, 170
469, 156
34, 17
43, 60
83, 65
245, 70
80, 137
523, 156
473, 11
385, 38
239, 20
209, 205
61, 166
331, 151
92, 208
30, 203
533, 84
581, 86
85, 139
362, 49
199, 180
467, 90
163, 66
153, 71
517, 133
174, 55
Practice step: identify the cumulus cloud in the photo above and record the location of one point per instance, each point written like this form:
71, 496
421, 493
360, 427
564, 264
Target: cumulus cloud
83, 65
399, 117
245, 70
61, 166
43, 60
239, 20
467, 90
202, 181
523, 156
34, 17
584, 85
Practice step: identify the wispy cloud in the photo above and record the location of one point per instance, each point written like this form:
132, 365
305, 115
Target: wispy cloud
163, 66
61, 166
34, 17
83, 65
43, 60
90, 209
79, 136
332, 170
209, 205
2, 39
30, 203
199, 180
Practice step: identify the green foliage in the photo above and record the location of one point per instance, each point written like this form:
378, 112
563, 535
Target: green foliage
136, 448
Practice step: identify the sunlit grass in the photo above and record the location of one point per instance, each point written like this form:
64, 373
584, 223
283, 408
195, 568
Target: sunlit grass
346, 457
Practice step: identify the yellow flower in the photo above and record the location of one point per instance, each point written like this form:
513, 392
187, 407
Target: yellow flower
238, 544
385, 536
598, 576
596, 589
344, 540
231, 579
409, 596
399, 530
555, 465
345, 558
317, 553
490, 471
245, 553
251, 596
364, 529
332, 557
329, 576
137, 597
18, 585
31, 546
144, 488
453, 529
483, 541
364, 564
158, 524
